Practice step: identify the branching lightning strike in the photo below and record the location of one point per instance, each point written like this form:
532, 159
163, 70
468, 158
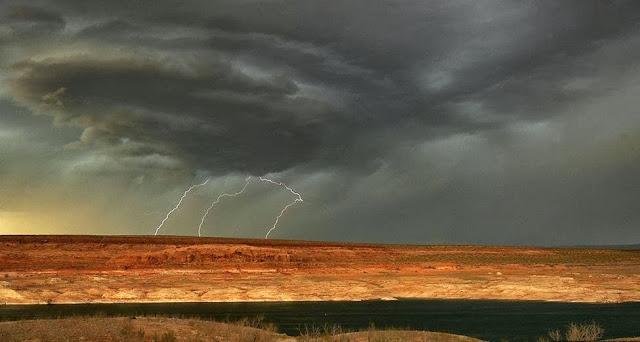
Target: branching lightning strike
298, 199
246, 183
179, 203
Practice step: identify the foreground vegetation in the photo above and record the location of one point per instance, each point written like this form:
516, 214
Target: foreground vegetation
163, 329
576, 332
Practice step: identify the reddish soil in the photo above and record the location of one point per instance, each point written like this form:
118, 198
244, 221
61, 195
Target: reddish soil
104, 269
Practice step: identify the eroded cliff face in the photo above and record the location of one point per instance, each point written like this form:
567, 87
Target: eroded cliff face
69, 269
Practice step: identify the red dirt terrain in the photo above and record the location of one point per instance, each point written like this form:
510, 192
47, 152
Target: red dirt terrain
106, 269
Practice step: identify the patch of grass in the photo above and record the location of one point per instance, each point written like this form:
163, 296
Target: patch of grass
584, 332
576, 332
555, 335
373, 335
169, 336
126, 329
256, 322
326, 332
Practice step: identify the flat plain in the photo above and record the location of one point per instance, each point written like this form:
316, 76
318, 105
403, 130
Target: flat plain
109, 269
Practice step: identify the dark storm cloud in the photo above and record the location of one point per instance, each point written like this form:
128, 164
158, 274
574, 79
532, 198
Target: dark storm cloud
23, 20
211, 115
393, 68
24, 14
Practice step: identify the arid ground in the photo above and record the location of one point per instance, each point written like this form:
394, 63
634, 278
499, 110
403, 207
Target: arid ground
105, 269
151, 329
176, 329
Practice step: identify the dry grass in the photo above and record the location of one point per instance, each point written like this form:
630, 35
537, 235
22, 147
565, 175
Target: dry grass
335, 333
576, 332
324, 333
147, 329
158, 329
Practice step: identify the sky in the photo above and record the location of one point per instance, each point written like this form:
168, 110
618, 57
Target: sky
420, 122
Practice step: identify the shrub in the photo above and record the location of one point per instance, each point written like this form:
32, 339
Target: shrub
584, 332
256, 322
326, 332
576, 332
141, 333
555, 335
309, 333
169, 336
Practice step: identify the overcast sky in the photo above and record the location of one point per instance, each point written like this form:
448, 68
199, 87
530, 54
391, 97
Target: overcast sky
431, 122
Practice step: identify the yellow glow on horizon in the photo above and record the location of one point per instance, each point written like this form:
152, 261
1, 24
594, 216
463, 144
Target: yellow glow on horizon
6, 224
22, 223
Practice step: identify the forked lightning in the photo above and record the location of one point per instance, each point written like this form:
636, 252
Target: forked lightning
298, 199
180, 202
246, 183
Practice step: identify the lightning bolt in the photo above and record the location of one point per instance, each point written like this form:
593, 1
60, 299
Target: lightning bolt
298, 199
180, 202
246, 183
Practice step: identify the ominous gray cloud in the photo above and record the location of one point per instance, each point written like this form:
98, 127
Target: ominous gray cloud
24, 19
212, 116
418, 121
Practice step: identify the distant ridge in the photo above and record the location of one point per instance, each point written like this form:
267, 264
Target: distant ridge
196, 240
614, 247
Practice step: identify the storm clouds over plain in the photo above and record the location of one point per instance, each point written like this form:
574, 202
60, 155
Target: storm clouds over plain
481, 122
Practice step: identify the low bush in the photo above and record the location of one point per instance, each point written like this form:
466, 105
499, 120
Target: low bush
576, 332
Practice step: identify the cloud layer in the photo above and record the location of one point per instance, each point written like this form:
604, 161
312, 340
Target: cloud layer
428, 122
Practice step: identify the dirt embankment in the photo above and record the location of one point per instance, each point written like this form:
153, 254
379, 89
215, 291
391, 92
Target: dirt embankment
176, 329
67, 269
